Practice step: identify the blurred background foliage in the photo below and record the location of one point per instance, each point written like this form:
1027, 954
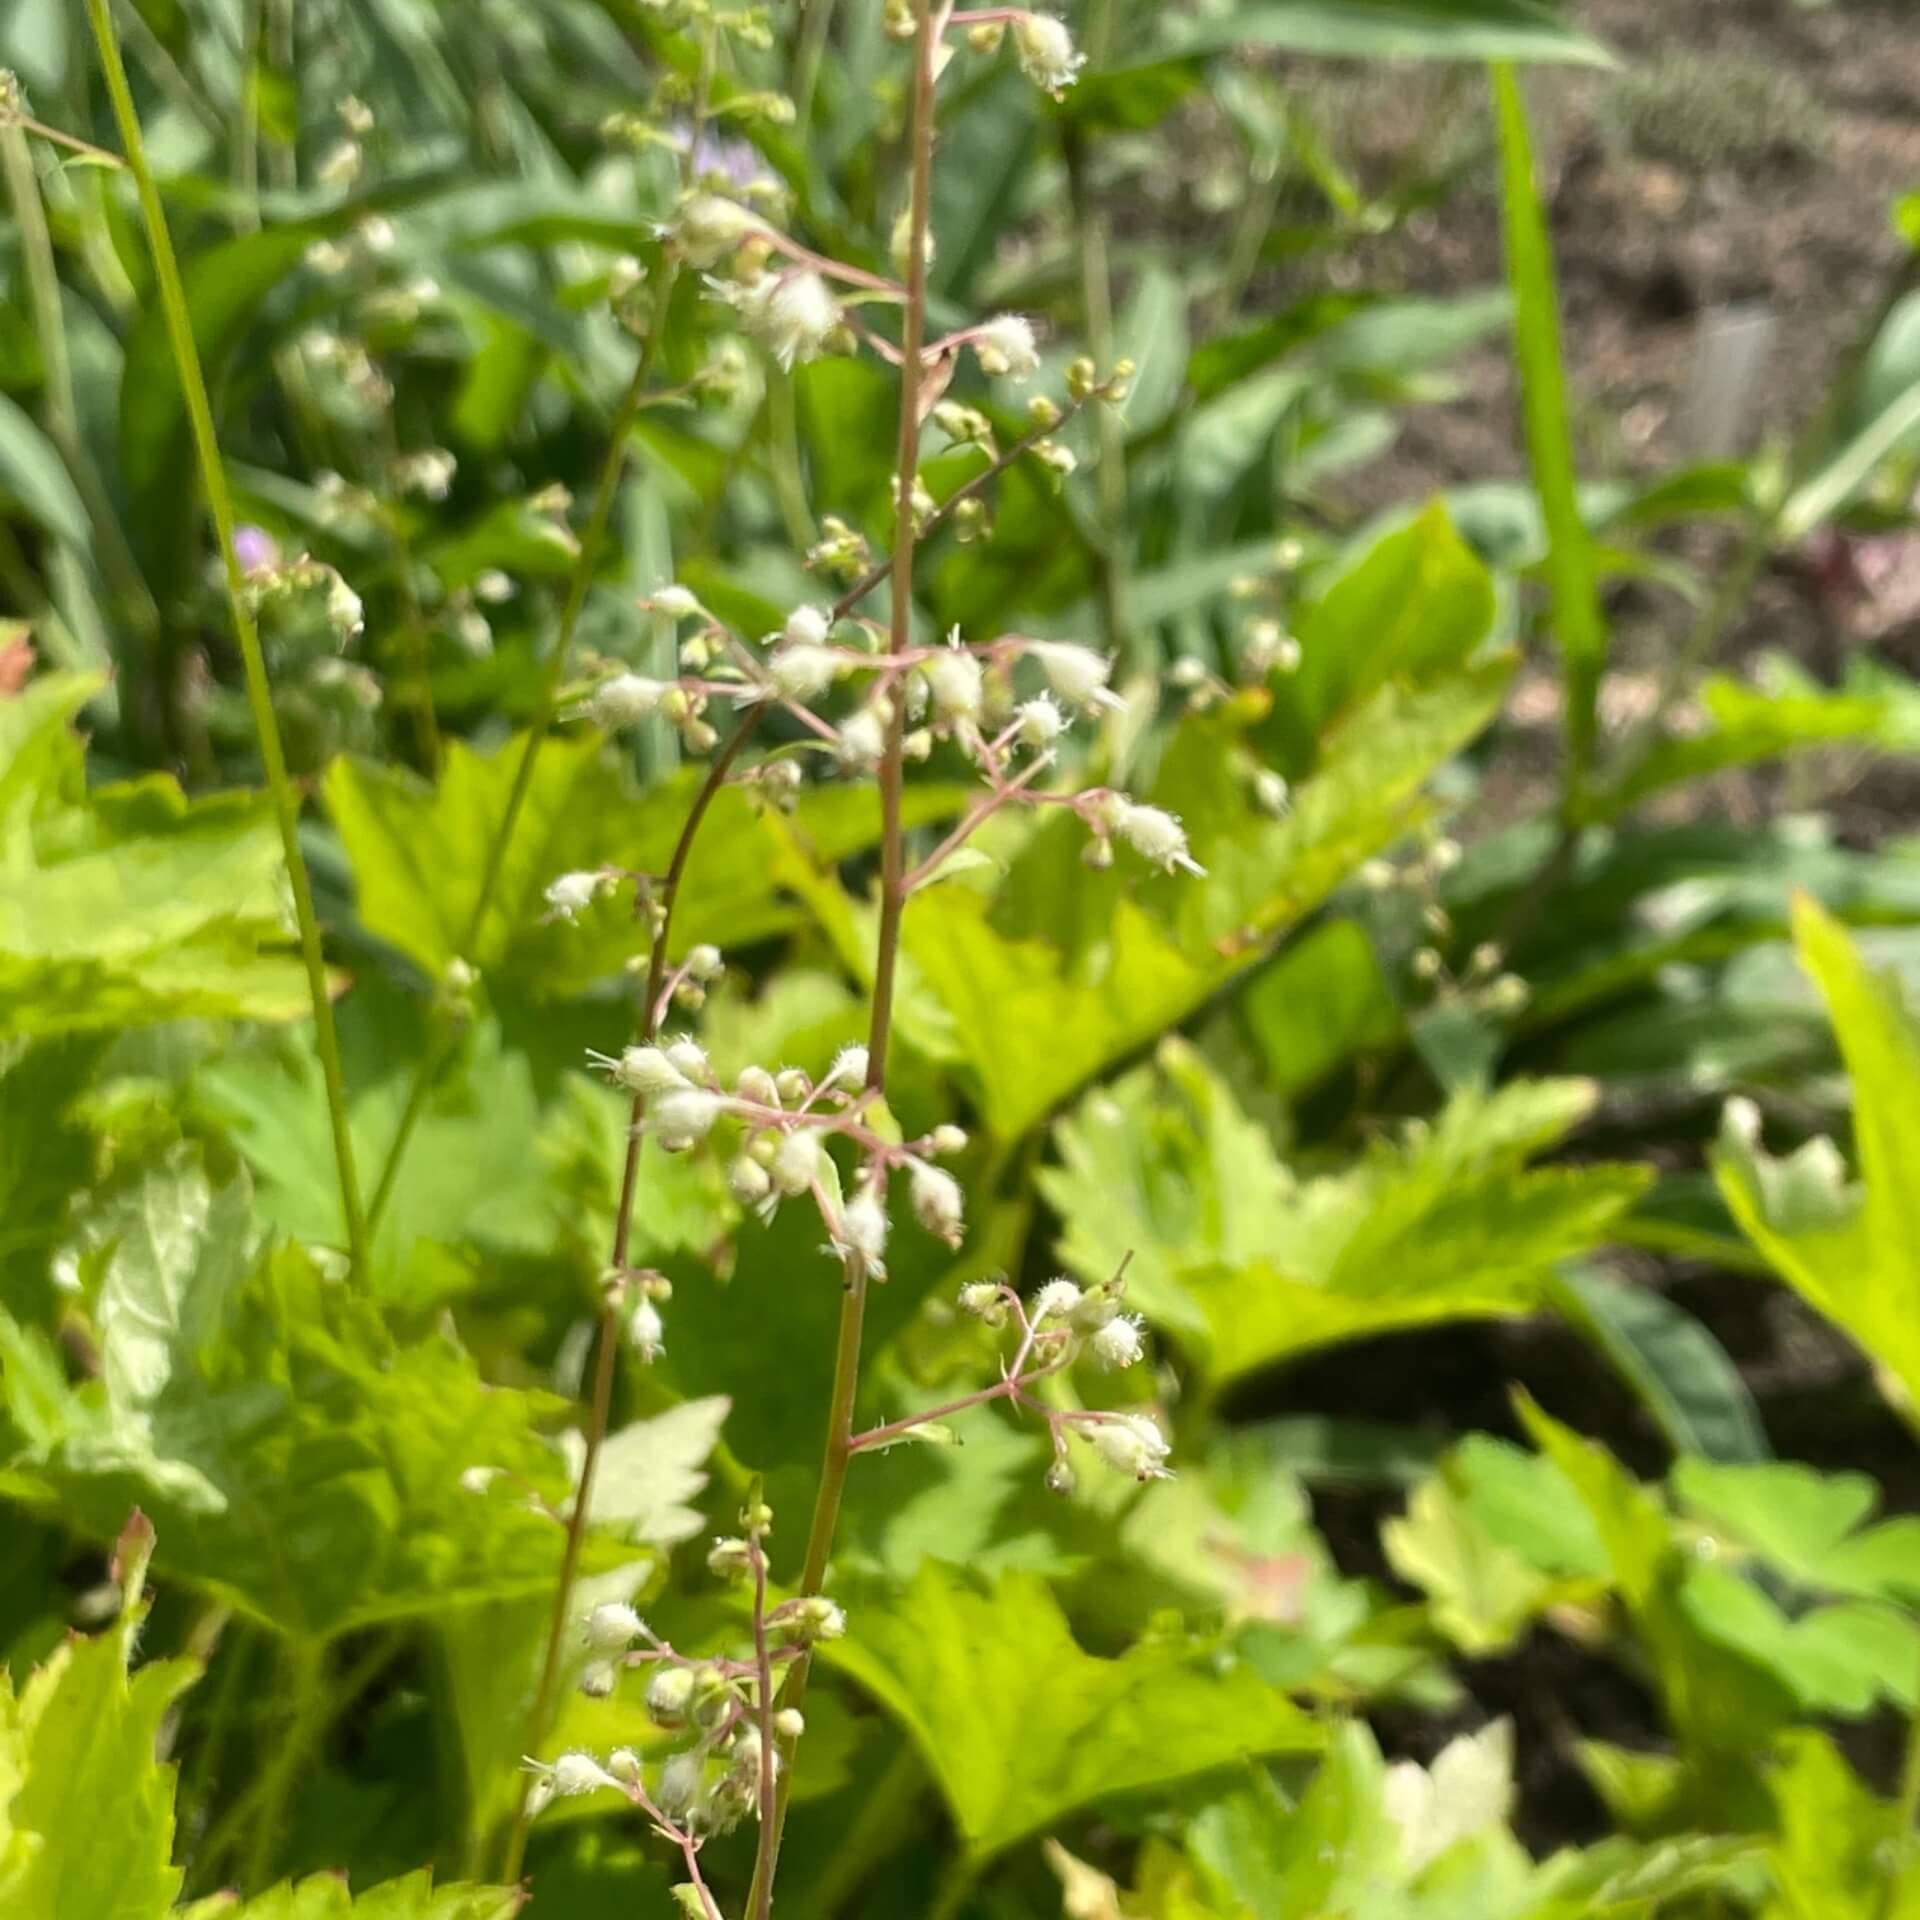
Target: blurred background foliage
1542, 1374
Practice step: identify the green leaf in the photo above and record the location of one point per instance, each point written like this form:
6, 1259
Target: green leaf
1681, 1373
32, 472
130, 904
1482, 1594
419, 853
1579, 625
1790, 712
299, 1465
1831, 1854
1402, 29
1020, 1726
1853, 1254
91, 1809
325, 1897
1323, 1000
649, 1470
1247, 1265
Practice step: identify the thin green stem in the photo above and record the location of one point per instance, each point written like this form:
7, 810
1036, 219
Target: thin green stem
809, 53
286, 801
1906, 1810
838, 1452
289, 1752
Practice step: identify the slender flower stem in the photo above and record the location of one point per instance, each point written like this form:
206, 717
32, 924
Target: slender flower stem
929, 24
763, 1680
213, 478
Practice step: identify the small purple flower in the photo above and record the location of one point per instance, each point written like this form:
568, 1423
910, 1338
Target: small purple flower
256, 549
737, 162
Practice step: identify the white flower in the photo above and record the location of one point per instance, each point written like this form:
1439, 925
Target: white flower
1270, 791
1055, 1300
1155, 835
576, 1773
689, 1057
818, 1618
709, 226
807, 627
647, 1070
647, 1332
849, 1067
938, 1203
1077, 674
983, 1299
796, 1162
428, 473
676, 602
802, 673
624, 699
376, 233
345, 614
613, 1626
1041, 723
681, 1782
705, 962
340, 164
955, 681
1045, 50
683, 1117
478, 1479
947, 1138
791, 314
748, 1181
668, 1692
1118, 1343
863, 739
571, 895
1132, 1444
863, 1228
1005, 344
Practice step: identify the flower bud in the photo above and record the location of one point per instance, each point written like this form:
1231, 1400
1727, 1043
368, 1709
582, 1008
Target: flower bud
807, 626
624, 1764
758, 1085
681, 1782
802, 672
1270, 791
613, 1626
815, 1618
683, 1117
1132, 1444
863, 1228
647, 1332
648, 1070
947, 1138
1061, 1478
572, 894
669, 1692
577, 1773
938, 1203
689, 1058
984, 1300
1055, 1301
1156, 835
955, 681
730, 1559
849, 1068
1077, 674
1046, 53
1005, 344
1118, 1344
792, 1085
748, 1181
789, 1724
704, 962
709, 226
597, 1680
625, 699
676, 602
863, 739
796, 1161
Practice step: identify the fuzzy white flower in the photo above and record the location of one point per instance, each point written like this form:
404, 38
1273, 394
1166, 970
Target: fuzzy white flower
791, 314
1054, 1301
1118, 1343
938, 1203
613, 1626
1046, 52
709, 226
1155, 835
668, 1692
345, 613
571, 895
428, 473
647, 1070
676, 602
681, 1783
683, 1117
1040, 722
705, 962
647, 1332
1005, 344
625, 699
956, 684
863, 1228
849, 1067
1132, 1444
1077, 674
748, 1181
807, 626
689, 1057
577, 1773
863, 739
796, 1161
802, 673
